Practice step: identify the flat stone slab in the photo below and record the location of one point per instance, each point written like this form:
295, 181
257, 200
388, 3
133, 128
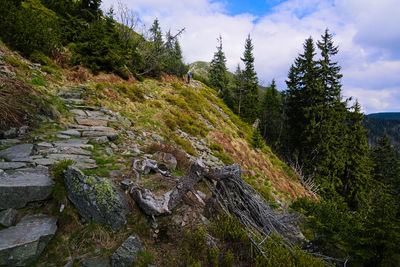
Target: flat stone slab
12, 165
82, 143
76, 158
78, 112
97, 199
90, 122
45, 161
19, 188
69, 150
18, 151
126, 254
71, 132
73, 101
23, 243
96, 262
63, 136
111, 135
10, 142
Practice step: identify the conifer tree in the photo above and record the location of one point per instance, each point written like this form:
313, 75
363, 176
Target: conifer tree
329, 71
250, 100
271, 115
237, 90
218, 71
355, 184
304, 97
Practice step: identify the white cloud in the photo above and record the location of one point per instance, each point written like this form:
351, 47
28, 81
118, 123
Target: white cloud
366, 31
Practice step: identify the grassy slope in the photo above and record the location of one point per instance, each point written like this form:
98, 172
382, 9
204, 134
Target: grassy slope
153, 107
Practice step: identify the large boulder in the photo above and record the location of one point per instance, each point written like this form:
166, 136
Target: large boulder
97, 199
17, 152
20, 188
23, 243
126, 254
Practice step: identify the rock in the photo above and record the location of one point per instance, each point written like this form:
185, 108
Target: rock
73, 101
157, 138
97, 199
70, 95
8, 217
12, 165
112, 136
63, 136
2, 172
136, 151
23, 243
126, 254
82, 143
43, 145
99, 140
71, 132
18, 151
9, 142
23, 130
96, 262
124, 121
125, 184
5, 71
19, 188
40, 169
168, 159
109, 151
78, 112
90, 122
12, 133
45, 161
70, 150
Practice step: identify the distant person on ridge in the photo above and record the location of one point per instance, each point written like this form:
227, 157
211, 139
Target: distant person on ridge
189, 76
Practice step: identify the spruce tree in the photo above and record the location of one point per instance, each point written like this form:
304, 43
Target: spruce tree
356, 184
304, 97
271, 115
250, 101
237, 90
329, 71
218, 71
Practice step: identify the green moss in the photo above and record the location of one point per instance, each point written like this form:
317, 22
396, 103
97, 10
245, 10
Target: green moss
13, 61
184, 144
39, 81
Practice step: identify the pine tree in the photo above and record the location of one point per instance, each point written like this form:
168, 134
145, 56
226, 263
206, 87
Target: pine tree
218, 71
250, 100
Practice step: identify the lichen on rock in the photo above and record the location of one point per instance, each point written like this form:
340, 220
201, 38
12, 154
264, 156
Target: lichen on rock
97, 199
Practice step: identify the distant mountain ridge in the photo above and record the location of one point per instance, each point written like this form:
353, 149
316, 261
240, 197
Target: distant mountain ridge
379, 124
385, 115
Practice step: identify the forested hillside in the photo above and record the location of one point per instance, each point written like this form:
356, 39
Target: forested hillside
109, 156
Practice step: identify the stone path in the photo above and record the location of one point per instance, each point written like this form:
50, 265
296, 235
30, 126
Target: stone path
24, 171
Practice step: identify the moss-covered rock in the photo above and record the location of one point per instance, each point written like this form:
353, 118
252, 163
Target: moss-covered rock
97, 199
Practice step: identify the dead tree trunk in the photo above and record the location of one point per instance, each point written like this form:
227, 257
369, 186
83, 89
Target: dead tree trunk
158, 205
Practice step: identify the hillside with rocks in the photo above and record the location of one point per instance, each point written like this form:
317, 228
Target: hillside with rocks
98, 171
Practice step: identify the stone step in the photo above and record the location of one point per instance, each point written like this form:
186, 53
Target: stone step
20, 188
12, 165
18, 151
73, 101
90, 121
20, 245
71, 132
78, 112
70, 94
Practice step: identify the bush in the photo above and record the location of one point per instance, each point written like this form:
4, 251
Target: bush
29, 26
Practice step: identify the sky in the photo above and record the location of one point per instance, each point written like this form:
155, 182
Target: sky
366, 31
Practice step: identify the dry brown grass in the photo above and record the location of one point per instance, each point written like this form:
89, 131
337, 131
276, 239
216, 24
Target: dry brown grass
17, 100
